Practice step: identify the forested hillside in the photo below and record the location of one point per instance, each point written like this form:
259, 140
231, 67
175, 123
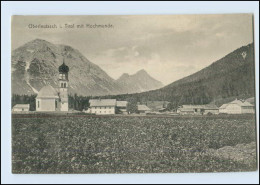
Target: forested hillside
230, 77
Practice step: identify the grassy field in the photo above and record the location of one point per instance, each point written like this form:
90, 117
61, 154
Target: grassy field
129, 144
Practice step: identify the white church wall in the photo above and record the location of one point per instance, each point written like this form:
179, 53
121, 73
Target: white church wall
45, 104
64, 106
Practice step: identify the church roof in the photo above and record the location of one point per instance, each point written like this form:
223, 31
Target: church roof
47, 92
63, 68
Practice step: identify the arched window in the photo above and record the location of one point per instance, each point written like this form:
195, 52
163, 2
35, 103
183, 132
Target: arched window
64, 85
38, 104
61, 85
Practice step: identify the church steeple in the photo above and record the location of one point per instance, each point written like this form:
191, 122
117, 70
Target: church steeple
63, 85
63, 71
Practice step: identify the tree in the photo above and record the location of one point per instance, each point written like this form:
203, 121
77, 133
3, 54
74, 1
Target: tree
132, 105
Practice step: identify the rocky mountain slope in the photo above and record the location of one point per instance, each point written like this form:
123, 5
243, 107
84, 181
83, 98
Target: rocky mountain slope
36, 63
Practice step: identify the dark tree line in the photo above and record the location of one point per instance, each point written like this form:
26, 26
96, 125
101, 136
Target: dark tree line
24, 99
78, 102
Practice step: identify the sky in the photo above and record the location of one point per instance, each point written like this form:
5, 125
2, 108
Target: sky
168, 47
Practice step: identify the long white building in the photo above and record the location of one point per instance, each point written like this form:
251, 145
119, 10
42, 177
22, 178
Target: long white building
102, 106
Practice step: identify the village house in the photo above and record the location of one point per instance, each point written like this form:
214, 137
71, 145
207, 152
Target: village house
198, 109
51, 99
102, 106
237, 107
143, 109
21, 108
121, 107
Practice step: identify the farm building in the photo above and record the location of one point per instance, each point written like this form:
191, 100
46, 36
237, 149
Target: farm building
51, 99
21, 108
210, 109
237, 107
102, 106
198, 109
121, 107
143, 109
157, 106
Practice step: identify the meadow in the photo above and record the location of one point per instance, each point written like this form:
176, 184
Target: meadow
132, 144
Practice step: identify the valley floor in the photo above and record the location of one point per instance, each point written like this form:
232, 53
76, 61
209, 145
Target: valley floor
133, 144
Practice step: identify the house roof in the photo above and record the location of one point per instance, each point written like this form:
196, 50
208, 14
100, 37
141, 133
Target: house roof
210, 106
186, 109
251, 100
121, 103
102, 102
223, 106
142, 108
192, 106
241, 103
22, 106
247, 104
237, 102
47, 92
207, 106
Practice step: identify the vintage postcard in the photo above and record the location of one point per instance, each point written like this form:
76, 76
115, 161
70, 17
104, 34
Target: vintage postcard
133, 94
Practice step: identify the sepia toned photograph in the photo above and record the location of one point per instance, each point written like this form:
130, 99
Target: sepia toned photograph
98, 94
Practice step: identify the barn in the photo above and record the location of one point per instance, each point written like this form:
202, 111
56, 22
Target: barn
21, 108
198, 109
237, 107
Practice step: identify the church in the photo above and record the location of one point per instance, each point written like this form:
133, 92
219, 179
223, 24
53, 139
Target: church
55, 99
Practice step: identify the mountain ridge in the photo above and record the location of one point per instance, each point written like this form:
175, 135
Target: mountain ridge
36, 63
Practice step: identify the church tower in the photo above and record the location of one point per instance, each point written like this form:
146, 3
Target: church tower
63, 87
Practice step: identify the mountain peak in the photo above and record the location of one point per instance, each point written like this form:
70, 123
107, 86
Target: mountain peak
140, 81
125, 75
142, 71
39, 41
